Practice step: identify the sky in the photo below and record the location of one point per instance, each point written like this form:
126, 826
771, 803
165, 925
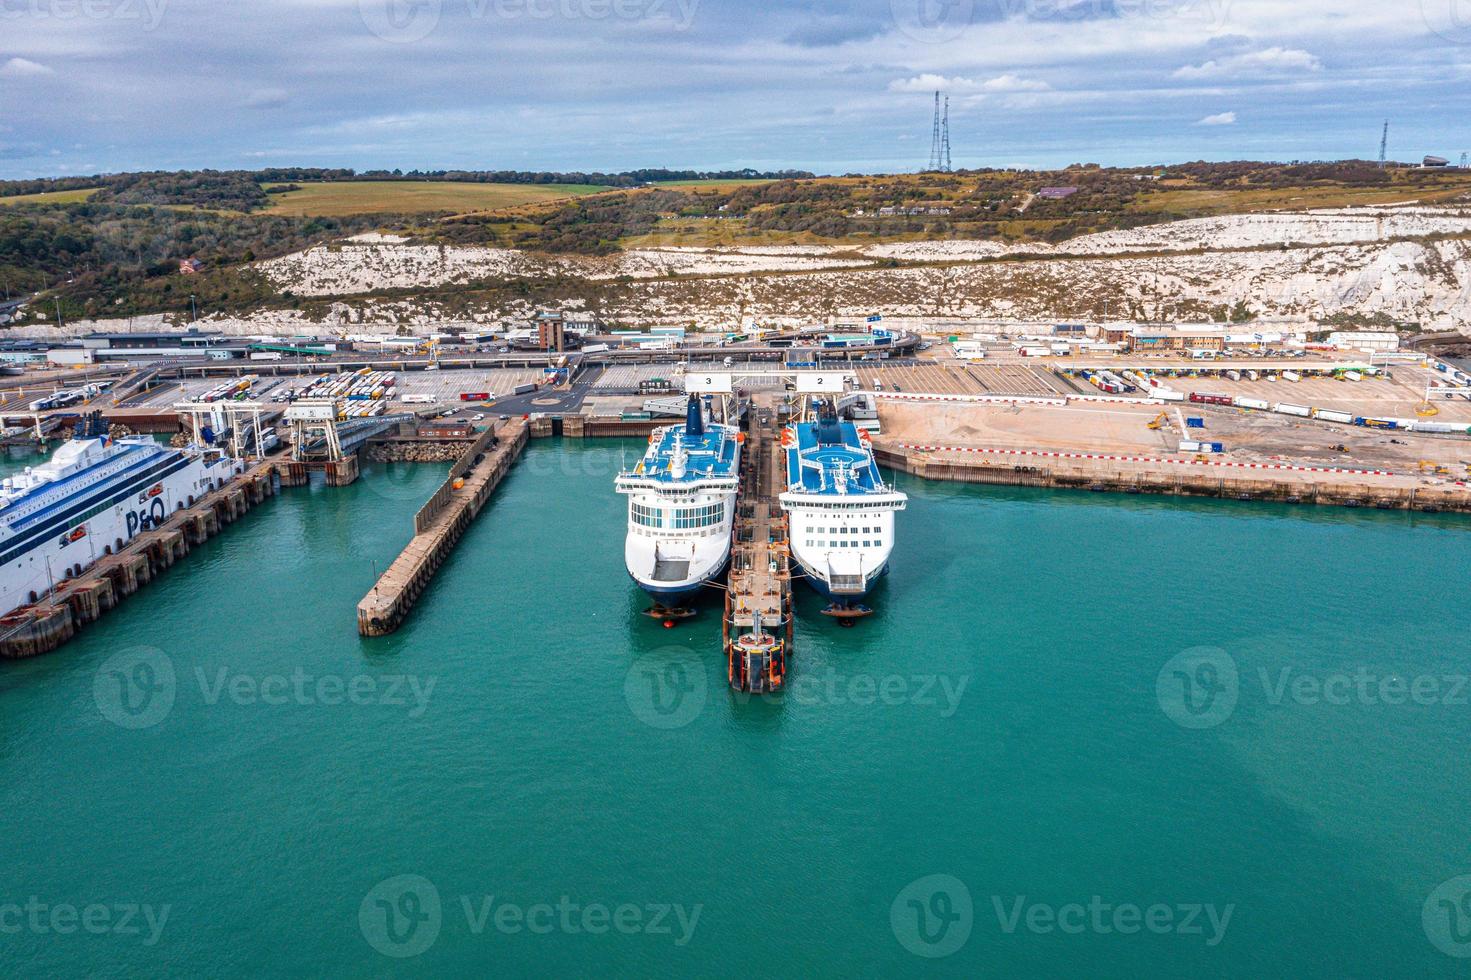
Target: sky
92, 86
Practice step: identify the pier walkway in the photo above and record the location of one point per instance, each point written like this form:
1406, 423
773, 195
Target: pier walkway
757, 629
439, 525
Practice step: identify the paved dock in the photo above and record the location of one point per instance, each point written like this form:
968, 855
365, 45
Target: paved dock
439, 525
757, 631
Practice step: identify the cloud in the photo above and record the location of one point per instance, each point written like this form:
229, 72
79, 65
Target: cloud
1268, 61
832, 30
24, 68
266, 98
958, 85
1014, 83
1219, 119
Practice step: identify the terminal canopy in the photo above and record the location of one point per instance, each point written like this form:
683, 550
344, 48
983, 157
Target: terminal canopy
817, 382
701, 383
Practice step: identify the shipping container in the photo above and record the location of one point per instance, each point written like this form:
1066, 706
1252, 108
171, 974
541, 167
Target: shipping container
525, 389
1256, 403
1352, 376
1167, 395
1203, 398
1330, 416
475, 396
1291, 376
1302, 411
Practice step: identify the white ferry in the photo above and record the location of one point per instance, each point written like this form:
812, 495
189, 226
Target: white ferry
89, 499
681, 505
841, 513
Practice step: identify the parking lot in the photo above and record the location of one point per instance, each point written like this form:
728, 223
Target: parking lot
960, 378
444, 386
1397, 396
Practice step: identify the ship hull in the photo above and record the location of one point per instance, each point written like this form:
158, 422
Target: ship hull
98, 521
822, 588
681, 595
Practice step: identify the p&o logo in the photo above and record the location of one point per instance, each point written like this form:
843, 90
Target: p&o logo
401, 916
932, 917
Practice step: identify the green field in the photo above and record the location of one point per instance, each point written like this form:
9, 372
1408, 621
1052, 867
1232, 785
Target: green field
52, 197
349, 197
694, 185
1241, 200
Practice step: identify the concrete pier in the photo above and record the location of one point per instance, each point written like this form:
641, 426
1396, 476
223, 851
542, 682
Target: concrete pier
45, 625
1346, 489
439, 525
757, 628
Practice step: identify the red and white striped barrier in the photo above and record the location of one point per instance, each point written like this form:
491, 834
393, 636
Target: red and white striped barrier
1147, 459
915, 396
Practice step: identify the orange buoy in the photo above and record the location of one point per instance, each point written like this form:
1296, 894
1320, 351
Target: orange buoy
669, 624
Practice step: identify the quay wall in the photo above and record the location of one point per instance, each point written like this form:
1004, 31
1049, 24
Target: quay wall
1341, 490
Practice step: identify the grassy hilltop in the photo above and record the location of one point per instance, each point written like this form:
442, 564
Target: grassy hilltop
110, 245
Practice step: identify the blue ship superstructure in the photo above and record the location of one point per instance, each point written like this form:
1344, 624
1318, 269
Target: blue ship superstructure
681, 505
840, 510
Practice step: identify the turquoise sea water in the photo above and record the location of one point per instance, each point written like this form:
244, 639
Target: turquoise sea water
571, 789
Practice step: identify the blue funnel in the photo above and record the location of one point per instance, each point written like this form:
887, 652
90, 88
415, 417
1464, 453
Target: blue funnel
694, 419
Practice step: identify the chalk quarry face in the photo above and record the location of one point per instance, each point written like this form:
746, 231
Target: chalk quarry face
1411, 263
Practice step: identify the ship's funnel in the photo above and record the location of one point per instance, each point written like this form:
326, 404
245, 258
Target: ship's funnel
827, 431
694, 419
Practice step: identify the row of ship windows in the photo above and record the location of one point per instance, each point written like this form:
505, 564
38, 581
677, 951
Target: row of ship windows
841, 543
678, 518
847, 529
